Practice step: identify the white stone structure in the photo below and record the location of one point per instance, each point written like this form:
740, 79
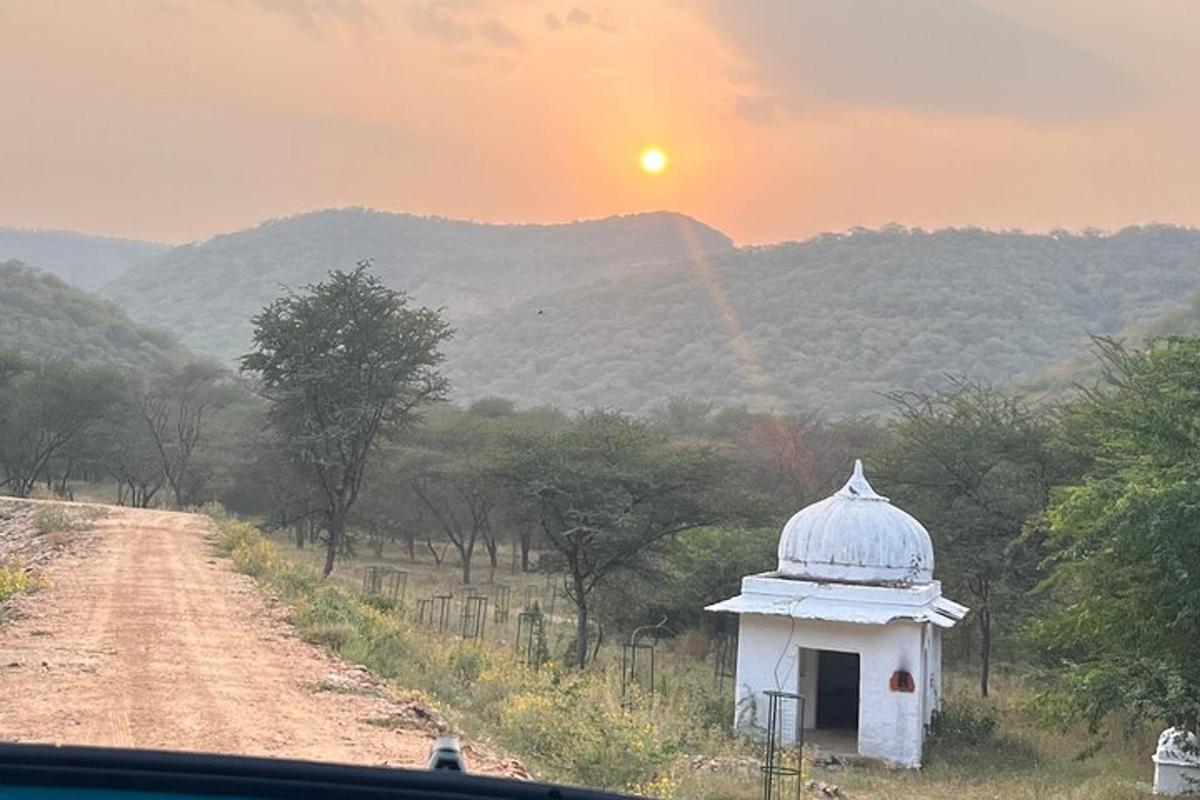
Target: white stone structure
1177, 763
851, 620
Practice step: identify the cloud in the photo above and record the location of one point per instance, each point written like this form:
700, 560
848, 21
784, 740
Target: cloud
310, 16
495, 32
929, 56
459, 21
576, 17
442, 20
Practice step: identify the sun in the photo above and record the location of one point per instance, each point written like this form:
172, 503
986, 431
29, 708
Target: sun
653, 160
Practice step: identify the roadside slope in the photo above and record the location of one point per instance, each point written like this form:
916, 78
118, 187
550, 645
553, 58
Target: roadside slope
146, 639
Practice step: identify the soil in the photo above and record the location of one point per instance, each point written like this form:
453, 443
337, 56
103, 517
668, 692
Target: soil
146, 638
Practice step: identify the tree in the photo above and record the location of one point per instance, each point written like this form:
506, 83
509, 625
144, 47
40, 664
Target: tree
460, 495
1125, 538
342, 364
123, 447
178, 410
975, 464
799, 459
45, 407
609, 491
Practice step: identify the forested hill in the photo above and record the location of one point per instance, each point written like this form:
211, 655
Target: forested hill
78, 258
829, 323
43, 317
207, 292
1082, 367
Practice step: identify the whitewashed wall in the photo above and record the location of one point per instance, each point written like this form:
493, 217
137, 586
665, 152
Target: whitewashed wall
891, 725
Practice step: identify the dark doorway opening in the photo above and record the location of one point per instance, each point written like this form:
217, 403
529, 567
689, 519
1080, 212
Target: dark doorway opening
837, 689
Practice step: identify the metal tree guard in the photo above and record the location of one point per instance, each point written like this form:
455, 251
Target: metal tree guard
725, 663
396, 585
372, 577
425, 611
531, 638
387, 582
441, 610
640, 649
783, 759
500, 607
474, 616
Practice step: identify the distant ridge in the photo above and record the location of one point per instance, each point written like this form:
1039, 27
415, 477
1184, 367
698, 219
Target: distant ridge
207, 292
831, 324
80, 259
42, 317
626, 312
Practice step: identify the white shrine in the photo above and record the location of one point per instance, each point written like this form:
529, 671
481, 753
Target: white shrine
852, 621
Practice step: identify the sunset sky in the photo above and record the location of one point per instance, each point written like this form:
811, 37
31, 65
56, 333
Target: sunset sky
176, 120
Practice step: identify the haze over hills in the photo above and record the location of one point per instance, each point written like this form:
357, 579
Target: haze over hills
628, 311
42, 317
1082, 367
830, 323
80, 259
207, 292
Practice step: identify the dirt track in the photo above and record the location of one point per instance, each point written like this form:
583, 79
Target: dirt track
146, 638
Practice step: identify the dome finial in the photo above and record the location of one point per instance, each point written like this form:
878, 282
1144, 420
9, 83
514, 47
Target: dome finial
857, 487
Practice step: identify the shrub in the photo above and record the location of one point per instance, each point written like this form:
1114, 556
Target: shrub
964, 725
14, 580
235, 533
965, 731
255, 558
469, 661
379, 602
53, 518
334, 635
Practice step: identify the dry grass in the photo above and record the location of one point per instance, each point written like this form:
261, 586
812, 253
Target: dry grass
1028, 760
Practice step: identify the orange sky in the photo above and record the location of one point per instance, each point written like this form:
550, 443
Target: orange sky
176, 120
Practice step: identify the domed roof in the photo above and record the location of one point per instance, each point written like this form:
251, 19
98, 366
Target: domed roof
1178, 747
856, 536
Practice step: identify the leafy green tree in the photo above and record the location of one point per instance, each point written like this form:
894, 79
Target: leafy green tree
611, 491
1125, 541
341, 364
44, 408
975, 465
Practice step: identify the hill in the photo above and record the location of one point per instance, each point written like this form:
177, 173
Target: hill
829, 323
207, 292
1082, 367
43, 317
78, 258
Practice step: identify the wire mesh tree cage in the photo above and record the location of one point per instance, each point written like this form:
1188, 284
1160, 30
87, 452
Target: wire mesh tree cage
441, 611
724, 659
387, 582
783, 746
500, 605
425, 611
530, 641
474, 616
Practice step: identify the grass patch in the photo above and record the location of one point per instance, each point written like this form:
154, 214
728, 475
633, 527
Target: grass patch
570, 727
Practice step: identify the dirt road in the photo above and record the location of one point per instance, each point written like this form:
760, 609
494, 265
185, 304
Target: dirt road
146, 638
